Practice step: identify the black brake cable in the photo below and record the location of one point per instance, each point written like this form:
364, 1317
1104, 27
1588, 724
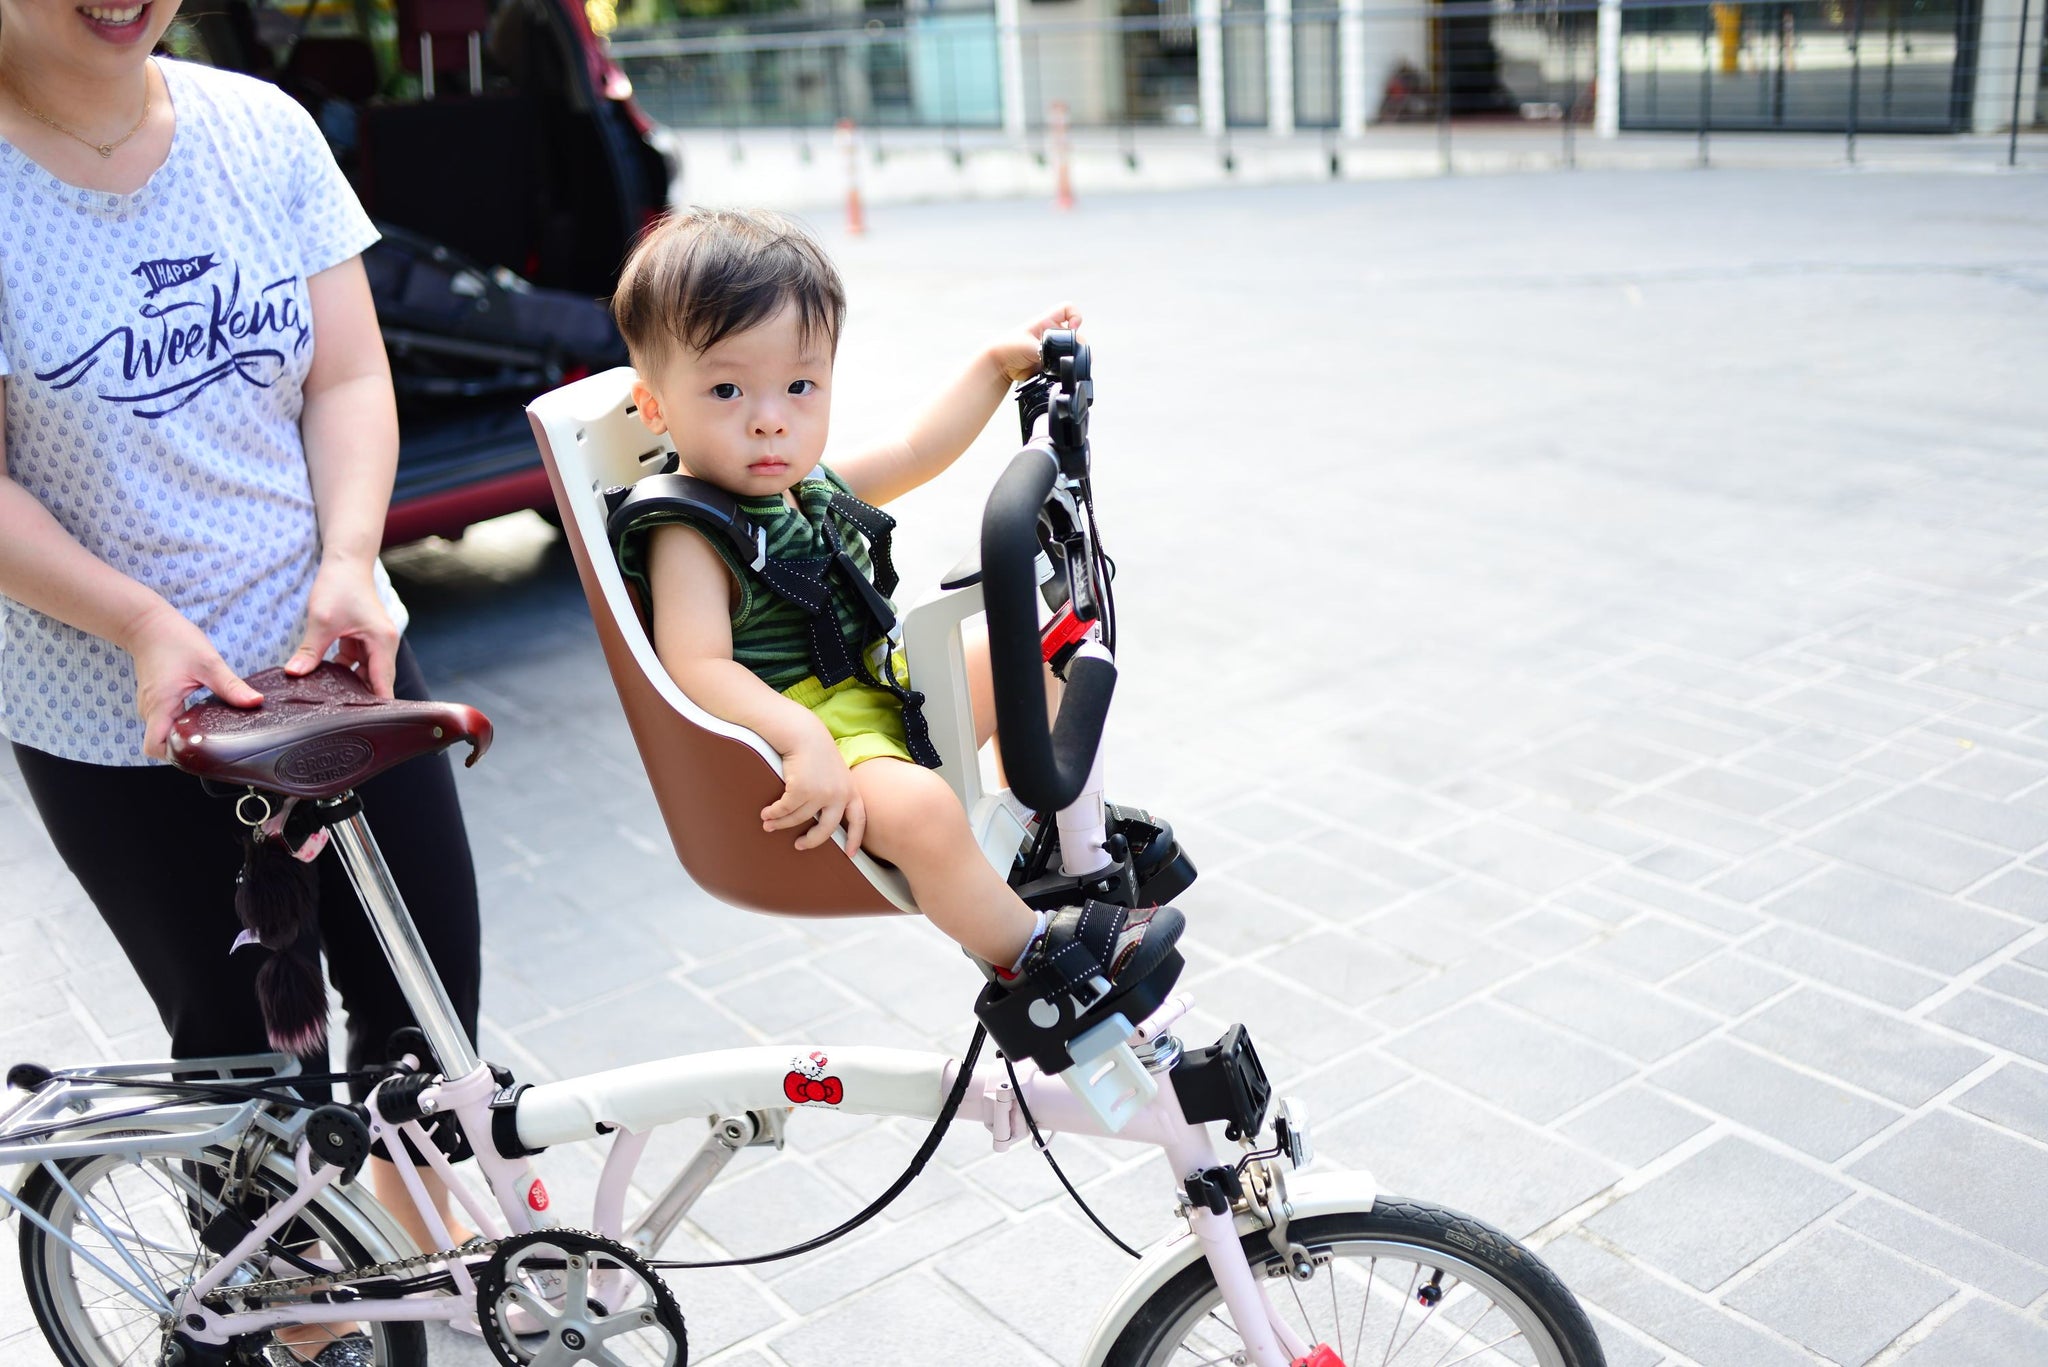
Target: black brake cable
1017, 1090
874, 1207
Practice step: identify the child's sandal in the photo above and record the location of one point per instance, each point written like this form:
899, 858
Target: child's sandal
1091, 962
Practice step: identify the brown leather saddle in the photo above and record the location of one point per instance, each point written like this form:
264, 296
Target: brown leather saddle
317, 736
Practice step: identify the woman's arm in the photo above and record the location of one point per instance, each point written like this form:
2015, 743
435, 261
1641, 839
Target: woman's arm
350, 429
42, 566
950, 423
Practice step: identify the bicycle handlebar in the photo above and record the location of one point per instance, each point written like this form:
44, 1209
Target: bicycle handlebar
1047, 764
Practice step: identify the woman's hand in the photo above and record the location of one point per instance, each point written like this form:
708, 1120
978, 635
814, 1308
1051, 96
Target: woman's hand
344, 607
1018, 355
817, 787
173, 660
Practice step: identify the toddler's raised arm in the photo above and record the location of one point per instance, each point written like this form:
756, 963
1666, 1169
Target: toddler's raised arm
955, 417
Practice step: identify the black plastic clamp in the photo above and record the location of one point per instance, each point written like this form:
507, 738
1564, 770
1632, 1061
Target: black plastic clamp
1224, 1081
1215, 1189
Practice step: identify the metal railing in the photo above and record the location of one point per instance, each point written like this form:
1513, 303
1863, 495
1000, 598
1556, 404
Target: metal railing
1839, 66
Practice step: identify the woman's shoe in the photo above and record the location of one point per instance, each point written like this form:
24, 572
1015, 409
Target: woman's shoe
350, 1350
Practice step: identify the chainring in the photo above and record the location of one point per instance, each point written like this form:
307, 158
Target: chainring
624, 1315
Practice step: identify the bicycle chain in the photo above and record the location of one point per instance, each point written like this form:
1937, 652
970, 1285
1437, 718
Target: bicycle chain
306, 1285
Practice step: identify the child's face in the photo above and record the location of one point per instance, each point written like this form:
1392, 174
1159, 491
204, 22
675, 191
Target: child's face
750, 414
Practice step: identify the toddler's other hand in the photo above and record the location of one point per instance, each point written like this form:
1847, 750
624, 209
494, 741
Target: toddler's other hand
818, 792
1018, 354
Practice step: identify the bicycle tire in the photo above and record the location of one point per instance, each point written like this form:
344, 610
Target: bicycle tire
50, 1273
1524, 1292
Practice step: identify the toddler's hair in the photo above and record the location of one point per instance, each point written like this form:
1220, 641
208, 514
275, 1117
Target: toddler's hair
699, 276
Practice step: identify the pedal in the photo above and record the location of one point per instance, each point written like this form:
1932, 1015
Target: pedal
1106, 1076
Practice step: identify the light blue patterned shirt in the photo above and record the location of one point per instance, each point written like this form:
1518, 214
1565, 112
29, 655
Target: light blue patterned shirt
155, 345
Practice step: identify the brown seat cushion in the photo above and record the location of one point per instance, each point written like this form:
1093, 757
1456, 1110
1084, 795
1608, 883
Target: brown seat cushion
317, 736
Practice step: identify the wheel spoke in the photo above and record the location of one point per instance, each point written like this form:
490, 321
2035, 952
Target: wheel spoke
1336, 1315
1307, 1320
1486, 1348
1365, 1303
1224, 1354
1420, 1325
1401, 1317
1465, 1332
1207, 1362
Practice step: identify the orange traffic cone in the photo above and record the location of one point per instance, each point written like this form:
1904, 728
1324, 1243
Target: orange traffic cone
856, 218
1063, 180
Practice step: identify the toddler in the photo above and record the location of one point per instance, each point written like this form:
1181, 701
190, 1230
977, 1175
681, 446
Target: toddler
733, 321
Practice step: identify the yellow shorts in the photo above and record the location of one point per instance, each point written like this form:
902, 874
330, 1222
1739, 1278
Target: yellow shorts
866, 722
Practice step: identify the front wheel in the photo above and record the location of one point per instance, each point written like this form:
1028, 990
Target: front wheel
1402, 1285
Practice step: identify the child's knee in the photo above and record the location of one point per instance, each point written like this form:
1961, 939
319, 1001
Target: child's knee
916, 815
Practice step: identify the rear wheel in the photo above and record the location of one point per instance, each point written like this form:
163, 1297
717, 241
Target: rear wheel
1402, 1285
145, 1216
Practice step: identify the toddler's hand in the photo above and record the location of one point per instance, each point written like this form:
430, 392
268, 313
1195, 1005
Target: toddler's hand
1018, 354
817, 791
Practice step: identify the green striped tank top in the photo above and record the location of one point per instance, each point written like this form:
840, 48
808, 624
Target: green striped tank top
770, 635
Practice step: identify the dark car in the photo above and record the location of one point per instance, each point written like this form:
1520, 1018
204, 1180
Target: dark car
500, 150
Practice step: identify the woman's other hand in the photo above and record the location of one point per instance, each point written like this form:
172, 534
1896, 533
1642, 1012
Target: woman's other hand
344, 607
1018, 354
173, 660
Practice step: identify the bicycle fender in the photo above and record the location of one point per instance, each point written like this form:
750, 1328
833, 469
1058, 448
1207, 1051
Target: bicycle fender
1323, 1193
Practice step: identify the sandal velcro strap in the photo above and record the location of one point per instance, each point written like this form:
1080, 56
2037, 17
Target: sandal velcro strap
1078, 978
1079, 942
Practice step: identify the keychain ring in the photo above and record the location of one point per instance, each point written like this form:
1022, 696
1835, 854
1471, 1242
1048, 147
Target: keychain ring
243, 816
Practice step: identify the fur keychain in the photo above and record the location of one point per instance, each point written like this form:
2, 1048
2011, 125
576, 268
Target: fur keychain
277, 897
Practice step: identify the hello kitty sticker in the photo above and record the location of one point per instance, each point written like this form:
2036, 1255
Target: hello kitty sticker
807, 1083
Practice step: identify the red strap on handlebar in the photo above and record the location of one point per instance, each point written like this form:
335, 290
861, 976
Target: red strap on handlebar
1062, 633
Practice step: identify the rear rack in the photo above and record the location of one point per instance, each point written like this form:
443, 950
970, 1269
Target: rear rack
113, 1108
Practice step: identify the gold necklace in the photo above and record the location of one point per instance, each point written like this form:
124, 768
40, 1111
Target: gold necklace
105, 149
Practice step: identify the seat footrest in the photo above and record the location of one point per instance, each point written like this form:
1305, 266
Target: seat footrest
1044, 1028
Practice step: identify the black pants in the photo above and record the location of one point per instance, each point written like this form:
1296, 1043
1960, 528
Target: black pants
158, 856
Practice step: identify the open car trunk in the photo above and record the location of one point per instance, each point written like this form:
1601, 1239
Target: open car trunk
499, 149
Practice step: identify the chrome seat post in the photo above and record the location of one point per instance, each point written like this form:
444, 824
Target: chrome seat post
403, 948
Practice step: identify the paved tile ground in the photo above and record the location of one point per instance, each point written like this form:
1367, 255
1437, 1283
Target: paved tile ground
1592, 632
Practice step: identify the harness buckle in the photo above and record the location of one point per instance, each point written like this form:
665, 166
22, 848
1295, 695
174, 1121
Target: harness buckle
881, 655
760, 548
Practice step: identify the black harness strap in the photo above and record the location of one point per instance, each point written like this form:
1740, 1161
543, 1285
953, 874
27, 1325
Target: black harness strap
807, 584
917, 737
630, 507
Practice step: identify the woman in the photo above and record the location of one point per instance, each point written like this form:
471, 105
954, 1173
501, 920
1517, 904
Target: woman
199, 444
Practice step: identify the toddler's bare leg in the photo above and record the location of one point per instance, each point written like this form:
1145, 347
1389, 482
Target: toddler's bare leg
981, 693
916, 823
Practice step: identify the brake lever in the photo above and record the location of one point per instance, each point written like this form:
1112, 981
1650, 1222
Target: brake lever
1034, 397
